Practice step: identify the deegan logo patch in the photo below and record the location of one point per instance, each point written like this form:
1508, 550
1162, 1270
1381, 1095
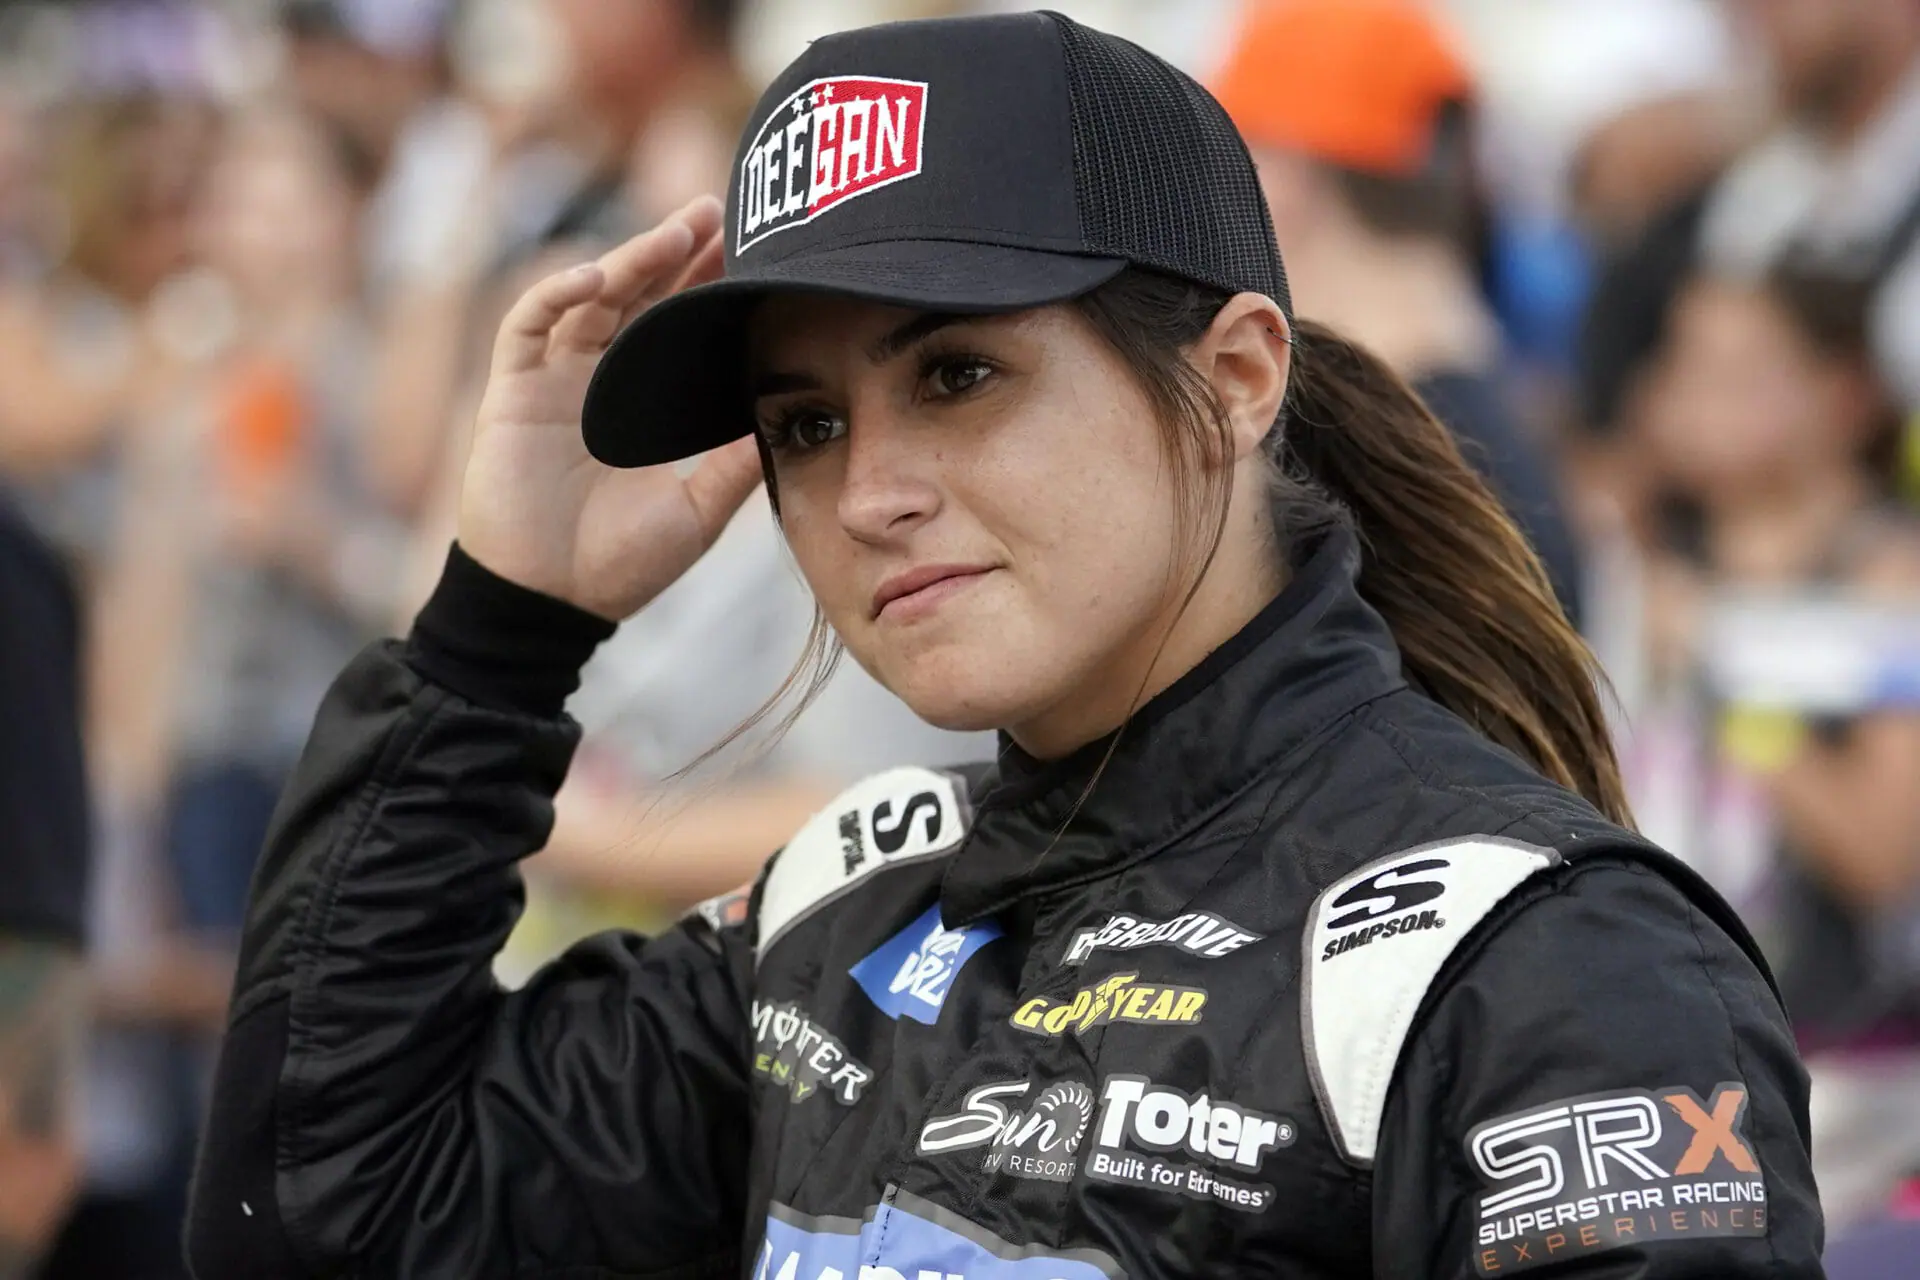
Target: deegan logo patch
1596, 1172
830, 141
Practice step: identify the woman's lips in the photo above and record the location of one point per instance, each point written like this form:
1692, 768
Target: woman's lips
916, 593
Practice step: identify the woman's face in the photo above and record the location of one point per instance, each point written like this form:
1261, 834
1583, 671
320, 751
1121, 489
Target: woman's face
982, 506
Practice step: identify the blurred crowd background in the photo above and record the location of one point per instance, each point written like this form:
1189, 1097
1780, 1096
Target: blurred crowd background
1656, 261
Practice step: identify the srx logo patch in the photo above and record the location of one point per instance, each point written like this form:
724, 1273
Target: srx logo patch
1595, 1172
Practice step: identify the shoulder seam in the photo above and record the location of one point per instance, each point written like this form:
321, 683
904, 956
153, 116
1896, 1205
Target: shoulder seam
1514, 814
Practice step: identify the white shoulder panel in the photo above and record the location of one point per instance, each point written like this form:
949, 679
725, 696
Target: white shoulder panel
1375, 941
902, 815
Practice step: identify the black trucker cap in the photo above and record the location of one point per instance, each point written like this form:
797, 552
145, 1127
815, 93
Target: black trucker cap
968, 165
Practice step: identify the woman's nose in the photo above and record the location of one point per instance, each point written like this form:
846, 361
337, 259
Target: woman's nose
887, 488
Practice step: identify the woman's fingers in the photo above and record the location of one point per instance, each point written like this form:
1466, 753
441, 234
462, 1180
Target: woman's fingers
720, 483
637, 275
635, 269
707, 264
529, 324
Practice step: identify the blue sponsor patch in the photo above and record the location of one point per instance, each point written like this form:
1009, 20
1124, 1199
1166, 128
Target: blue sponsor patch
908, 1238
910, 973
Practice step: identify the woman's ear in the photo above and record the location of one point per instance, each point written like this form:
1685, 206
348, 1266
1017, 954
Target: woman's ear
1246, 355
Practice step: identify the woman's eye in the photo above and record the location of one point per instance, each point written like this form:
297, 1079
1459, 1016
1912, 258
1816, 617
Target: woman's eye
805, 429
954, 376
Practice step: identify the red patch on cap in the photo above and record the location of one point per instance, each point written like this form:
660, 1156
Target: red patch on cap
829, 141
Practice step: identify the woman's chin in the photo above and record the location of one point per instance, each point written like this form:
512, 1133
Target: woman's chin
951, 696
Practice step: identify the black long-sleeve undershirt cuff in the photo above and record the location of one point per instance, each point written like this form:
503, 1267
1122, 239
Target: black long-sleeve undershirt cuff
499, 644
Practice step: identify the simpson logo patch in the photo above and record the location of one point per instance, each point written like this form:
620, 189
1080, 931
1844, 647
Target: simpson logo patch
1374, 942
830, 141
1596, 1172
1383, 906
1121, 998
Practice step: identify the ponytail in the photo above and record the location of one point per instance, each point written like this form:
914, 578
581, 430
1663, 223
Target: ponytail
1467, 600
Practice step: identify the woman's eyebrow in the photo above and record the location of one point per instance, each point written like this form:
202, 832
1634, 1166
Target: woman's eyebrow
922, 325
886, 348
779, 384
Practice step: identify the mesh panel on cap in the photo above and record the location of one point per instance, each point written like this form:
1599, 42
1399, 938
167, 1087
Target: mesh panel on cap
1163, 177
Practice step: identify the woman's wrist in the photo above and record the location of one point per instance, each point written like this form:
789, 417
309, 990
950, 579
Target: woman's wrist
499, 644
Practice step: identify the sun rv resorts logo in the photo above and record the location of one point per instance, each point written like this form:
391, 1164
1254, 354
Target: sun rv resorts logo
829, 141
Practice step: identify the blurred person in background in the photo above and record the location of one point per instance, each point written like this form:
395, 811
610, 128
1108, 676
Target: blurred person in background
291, 558
580, 118
248, 556
1839, 179
635, 63
44, 846
25, 236
79, 349
90, 345
1358, 113
1766, 420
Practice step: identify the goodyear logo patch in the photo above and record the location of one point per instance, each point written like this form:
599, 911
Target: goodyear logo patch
1121, 998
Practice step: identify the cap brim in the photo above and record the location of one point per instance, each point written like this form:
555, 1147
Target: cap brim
673, 383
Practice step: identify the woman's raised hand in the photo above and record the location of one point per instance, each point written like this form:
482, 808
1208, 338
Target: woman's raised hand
535, 507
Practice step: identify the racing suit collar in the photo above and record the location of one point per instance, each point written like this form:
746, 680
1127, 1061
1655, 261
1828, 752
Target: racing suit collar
1316, 653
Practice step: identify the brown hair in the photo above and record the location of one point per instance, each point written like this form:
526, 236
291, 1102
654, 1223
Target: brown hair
1467, 600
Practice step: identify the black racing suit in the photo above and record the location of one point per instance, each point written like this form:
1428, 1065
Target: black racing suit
1315, 982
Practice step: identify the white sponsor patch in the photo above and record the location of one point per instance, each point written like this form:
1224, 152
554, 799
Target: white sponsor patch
1375, 941
1198, 933
1040, 1141
828, 142
900, 816
1167, 1140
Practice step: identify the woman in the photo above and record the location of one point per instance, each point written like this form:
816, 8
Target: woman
1003, 315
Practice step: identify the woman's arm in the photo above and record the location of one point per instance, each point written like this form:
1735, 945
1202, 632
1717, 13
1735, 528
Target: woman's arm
1603, 1084
382, 1106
